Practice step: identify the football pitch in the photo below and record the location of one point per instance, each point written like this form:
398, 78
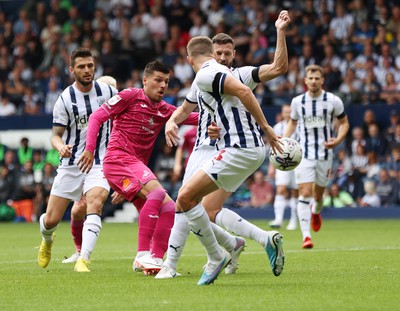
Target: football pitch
355, 265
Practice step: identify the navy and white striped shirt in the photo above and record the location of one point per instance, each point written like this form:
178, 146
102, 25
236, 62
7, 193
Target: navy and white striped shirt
315, 122
239, 128
72, 110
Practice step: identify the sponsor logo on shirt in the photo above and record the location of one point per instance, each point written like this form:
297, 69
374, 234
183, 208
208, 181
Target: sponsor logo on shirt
143, 105
146, 174
314, 121
81, 122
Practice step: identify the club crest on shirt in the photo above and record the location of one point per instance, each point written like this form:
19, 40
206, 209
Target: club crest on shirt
151, 121
112, 101
100, 100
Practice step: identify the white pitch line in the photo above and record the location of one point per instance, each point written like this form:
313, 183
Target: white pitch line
322, 250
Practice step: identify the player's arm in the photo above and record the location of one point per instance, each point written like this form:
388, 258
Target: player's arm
177, 117
342, 132
290, 128
56, 140
233, 86
280, 64
96, 119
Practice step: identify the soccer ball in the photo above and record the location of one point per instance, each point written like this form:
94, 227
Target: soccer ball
291, 156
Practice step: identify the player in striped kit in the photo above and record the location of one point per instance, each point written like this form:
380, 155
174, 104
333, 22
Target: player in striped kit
241, 152
313, 113
224, 53
70, 119
78, 210
285, 182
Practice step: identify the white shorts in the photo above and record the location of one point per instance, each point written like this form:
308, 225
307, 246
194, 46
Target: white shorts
197, 158
315, 171
71, 183
286, 178
232, 166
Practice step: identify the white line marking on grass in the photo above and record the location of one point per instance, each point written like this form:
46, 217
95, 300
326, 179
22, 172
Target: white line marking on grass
321, 250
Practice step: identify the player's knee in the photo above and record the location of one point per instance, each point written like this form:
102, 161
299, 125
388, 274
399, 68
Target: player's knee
185, 200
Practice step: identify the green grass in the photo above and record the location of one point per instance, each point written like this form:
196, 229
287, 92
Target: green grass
355, 265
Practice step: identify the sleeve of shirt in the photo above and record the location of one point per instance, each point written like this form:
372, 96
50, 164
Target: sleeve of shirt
211, 80
293, 110
248, 75
96, 119
338, 107
60, 113
118, 103
191, 97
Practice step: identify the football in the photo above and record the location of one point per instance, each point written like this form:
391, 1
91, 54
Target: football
291, 156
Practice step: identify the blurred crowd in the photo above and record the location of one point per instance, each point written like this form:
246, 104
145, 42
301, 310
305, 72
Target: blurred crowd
357, 42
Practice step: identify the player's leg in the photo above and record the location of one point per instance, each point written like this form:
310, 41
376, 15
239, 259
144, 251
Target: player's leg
188, 201
293, 201
163, 228
152, 243
49, 221
213, 204
176, 243
67, 186
304, 213
78, 213
95, 190
323, 169
280, 204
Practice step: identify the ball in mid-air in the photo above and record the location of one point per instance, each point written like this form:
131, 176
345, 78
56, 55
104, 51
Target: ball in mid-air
290, 157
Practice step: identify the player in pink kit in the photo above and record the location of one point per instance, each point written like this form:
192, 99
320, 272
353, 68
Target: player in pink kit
138, 117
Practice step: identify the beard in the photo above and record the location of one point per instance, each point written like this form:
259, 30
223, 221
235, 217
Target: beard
84, 82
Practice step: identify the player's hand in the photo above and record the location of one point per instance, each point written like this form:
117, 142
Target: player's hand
283, 20
65, 151
331, 143
117, 198
213, 130
273, 140
85, 163
171, 134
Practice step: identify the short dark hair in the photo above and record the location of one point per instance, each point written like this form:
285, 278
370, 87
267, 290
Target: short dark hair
79, 52
223, 38
155, 66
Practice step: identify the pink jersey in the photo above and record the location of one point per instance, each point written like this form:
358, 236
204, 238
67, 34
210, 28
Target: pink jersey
137, 121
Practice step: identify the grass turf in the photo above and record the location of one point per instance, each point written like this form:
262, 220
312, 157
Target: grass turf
355, 265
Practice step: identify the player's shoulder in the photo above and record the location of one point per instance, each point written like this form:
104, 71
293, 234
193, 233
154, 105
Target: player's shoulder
298, 98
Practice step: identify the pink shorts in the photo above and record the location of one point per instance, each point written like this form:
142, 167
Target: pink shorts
126, 174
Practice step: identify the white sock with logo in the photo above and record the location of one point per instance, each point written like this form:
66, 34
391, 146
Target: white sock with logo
304, 213
90, 234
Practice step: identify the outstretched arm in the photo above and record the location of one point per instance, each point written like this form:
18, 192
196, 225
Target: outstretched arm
280, 64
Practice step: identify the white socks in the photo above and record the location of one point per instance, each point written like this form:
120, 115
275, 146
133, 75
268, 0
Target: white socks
90, 234
293, 208
201, 227
239, 226
304, 213
47, 234
224, 238
279, 208
179, 234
